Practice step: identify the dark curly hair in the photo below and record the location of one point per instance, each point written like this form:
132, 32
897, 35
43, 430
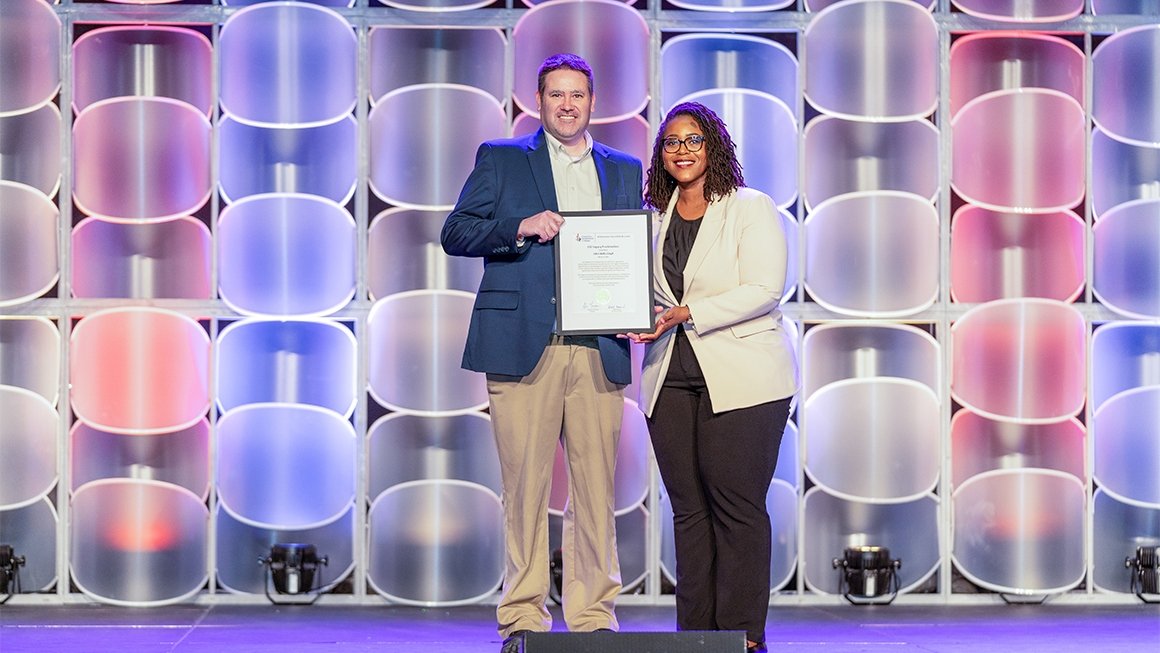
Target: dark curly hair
723, 174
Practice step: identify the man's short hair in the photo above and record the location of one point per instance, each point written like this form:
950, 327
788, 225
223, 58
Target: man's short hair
563, 60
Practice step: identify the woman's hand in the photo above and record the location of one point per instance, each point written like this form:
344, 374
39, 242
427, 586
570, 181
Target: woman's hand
667, 319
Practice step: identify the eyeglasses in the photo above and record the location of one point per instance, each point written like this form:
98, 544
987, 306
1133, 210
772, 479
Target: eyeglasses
692, 143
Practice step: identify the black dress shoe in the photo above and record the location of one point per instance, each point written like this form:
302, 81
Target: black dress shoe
514, 643
756, 647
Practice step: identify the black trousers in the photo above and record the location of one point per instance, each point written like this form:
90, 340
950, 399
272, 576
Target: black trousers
717, 468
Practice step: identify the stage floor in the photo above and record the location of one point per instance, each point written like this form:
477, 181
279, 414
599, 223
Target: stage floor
323, 628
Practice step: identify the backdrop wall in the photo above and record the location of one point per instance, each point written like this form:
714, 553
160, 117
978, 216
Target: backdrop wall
226, 321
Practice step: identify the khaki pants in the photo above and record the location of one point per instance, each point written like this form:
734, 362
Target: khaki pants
565, 398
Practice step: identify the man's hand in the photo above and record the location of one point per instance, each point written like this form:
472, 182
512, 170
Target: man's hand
542, 226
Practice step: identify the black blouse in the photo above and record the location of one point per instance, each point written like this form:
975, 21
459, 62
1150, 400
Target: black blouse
678, 243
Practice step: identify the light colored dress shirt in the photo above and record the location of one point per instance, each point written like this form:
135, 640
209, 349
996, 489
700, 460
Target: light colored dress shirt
577, 186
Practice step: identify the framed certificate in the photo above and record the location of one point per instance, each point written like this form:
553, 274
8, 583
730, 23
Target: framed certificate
604, 273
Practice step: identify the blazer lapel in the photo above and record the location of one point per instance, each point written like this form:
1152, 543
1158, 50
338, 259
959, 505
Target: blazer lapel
611, 197
541, 167
666, 292
707, 236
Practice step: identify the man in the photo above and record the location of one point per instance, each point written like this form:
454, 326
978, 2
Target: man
544, 388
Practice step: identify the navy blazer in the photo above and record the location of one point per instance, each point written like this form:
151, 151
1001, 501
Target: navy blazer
515, 308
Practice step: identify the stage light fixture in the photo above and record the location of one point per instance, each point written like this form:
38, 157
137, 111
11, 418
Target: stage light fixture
10, 565
292, 569
1145, 570
868, 575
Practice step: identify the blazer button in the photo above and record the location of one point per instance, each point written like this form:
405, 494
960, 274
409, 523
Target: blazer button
553, 300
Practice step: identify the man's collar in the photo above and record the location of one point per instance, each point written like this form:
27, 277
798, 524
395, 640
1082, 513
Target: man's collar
555, 145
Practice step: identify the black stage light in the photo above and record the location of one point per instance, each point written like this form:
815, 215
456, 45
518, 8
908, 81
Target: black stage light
10, 565
292, 568
1145, 566
868, 575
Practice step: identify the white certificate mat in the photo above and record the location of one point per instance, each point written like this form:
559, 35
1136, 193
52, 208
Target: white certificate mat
604, 273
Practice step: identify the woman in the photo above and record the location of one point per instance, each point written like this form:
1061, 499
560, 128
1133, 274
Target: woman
719, 371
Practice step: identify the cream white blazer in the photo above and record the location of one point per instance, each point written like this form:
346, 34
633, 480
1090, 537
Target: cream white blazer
733, 282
